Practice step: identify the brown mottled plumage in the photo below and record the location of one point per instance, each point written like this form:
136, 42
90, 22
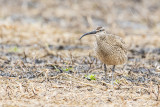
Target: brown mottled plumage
109, 48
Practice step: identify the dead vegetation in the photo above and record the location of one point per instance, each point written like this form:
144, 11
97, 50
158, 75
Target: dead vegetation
42, 62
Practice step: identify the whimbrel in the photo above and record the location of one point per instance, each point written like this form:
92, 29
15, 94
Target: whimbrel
109, 48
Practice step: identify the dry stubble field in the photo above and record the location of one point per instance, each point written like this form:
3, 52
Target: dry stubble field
43, 62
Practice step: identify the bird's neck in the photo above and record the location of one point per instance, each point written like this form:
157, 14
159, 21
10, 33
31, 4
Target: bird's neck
98, 39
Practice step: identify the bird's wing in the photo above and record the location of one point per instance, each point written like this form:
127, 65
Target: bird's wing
115, 41
119, 42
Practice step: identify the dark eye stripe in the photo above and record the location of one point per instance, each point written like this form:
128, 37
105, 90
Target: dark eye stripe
98, 28
102, 30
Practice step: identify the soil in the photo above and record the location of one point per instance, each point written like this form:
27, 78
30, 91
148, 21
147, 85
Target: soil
43, 62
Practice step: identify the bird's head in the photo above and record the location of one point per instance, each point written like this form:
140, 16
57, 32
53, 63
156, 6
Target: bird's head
99, 31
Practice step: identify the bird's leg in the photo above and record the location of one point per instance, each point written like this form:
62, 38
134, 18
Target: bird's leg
124, 67
113, 69
105, 70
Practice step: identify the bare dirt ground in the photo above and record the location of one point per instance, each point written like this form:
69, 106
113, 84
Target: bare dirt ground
43, 62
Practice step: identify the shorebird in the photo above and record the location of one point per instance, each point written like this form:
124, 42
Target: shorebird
110, 49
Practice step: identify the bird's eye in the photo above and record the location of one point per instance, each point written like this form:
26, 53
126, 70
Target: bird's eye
99, 30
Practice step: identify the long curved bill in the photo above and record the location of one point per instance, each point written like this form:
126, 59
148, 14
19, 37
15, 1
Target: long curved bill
92, 32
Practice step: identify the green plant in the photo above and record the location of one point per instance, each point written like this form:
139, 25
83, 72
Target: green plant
64, 69
67, 69
56, 68
117, 81
14, 49
90, 77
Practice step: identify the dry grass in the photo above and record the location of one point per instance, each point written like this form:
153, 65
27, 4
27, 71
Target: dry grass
39, 43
